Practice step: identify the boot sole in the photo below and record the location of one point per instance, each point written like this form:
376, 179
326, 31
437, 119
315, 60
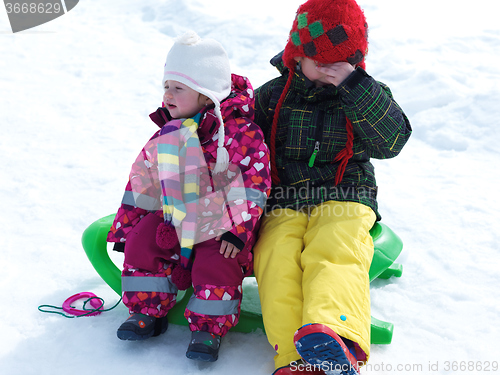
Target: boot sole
198, 352
132, 336
204, 357
322, 347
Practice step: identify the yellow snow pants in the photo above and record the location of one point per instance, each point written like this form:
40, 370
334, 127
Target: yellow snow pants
312, 266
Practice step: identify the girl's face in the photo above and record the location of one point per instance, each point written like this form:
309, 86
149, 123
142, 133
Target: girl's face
308, 67
182, 101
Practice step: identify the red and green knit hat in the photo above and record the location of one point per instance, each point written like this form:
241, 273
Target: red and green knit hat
325, 31
328, 31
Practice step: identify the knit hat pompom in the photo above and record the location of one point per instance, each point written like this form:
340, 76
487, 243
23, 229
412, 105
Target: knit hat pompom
181, 277
202, 65
188, 38
166, 236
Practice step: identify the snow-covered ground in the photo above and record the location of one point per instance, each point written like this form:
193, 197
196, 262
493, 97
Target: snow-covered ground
75, 97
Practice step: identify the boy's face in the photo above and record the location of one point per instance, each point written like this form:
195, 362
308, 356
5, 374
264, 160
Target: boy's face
308, 67
181, 100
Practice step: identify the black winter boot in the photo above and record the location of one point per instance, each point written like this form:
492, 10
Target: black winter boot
142, 327
204, 346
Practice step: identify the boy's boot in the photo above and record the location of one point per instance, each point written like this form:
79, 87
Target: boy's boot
319, 345
142, 327
204, 346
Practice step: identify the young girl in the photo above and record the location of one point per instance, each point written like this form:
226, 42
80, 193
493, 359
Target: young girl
324, 118
192, 205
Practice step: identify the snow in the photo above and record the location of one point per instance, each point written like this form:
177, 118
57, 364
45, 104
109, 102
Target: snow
75, 97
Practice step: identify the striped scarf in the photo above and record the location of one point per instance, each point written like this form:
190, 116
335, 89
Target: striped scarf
180, 159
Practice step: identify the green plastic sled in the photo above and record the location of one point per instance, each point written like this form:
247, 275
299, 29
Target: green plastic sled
388, 246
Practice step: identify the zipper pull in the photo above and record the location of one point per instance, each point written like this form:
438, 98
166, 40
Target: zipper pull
313, 156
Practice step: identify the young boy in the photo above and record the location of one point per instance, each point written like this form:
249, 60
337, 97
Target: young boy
323, 118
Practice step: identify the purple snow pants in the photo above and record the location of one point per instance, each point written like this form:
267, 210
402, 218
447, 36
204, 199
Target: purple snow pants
217, 281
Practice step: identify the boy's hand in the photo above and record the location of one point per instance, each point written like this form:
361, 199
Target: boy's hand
337, 72
228, 249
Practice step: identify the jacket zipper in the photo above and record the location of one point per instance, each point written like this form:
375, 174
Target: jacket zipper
319, 135
315, 152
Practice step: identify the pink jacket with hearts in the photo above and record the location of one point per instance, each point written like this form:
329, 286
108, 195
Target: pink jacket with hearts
237, 211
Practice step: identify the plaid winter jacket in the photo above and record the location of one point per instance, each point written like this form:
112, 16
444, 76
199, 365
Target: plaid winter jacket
312, 131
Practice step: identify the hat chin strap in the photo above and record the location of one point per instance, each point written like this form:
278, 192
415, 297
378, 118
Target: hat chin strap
222, 163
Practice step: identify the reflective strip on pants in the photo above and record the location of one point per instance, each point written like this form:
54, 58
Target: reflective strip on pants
148, 284
213, 307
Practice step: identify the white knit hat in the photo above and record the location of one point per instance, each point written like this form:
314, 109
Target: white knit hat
203, 65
